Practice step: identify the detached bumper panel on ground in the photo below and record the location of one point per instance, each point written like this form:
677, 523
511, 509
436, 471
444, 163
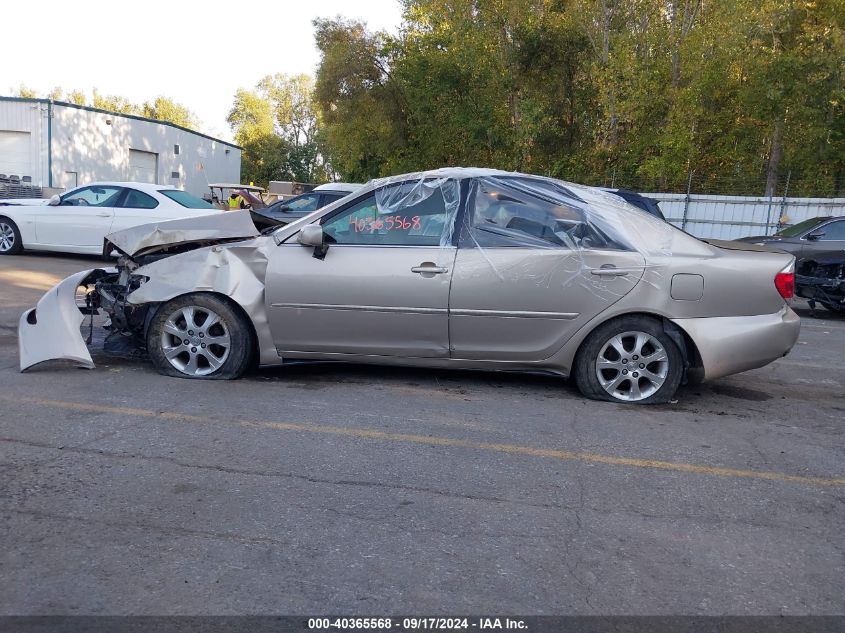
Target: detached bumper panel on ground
50, 331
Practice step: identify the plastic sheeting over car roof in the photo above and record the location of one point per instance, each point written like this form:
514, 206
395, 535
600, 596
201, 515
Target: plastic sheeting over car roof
508, 210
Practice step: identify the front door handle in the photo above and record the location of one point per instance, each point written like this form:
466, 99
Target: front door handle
104, 215
429, 268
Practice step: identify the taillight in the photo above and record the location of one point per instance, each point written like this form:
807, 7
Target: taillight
785, 281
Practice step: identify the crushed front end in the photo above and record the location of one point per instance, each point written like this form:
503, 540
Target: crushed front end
53, 330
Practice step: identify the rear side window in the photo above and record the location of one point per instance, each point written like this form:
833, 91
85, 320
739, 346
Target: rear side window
512, 213
185, 199
135, 199
328, 198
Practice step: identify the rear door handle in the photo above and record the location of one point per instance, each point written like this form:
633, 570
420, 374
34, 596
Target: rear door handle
104, 215
431, 269
609, 270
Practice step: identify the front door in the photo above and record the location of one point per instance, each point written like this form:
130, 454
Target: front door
827, 237
529, 273
382, 288
82, 219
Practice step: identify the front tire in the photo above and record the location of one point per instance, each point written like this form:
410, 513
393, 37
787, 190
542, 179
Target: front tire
200, 336
629, 359
10, 237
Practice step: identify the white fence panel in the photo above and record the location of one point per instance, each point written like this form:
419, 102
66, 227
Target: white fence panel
732, 217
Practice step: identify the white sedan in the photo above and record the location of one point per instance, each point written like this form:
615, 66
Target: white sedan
79, 220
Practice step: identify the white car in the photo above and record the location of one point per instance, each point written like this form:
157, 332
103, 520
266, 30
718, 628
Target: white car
79, 220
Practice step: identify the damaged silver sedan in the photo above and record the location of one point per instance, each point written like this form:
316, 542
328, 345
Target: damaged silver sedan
456, 268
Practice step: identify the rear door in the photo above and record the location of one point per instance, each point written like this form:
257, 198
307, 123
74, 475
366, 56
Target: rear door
381, 290
82, 219
529, 273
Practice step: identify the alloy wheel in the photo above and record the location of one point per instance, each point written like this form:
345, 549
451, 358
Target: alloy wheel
195, 340
7, 237
632, 366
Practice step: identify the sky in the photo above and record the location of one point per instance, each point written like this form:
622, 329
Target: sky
197, 53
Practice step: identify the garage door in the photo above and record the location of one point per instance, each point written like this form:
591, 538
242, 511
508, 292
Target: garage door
143, 166
14, 153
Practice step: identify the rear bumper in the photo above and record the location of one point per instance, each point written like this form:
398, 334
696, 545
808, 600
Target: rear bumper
729, 345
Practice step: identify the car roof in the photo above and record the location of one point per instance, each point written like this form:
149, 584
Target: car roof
232, 185
140, 186
461, 173
339, 186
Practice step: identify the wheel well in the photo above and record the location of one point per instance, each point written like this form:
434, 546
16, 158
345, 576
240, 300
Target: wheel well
693, 366
237, 307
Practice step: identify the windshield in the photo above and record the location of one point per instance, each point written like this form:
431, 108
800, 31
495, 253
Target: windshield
185, 199
797, 229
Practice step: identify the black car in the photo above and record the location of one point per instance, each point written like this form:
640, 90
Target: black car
649, 205
285, 211
806, 239
820, 278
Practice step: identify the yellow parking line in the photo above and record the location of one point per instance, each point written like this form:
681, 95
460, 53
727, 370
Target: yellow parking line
513, 449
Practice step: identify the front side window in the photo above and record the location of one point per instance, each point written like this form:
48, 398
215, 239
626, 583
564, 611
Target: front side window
394, 219
138, 200
94, 196
185, 199
833, 231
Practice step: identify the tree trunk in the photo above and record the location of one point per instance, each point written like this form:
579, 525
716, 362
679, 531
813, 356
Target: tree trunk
775, 152
674, 20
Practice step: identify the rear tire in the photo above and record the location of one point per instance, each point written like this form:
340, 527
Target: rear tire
629, 360
200, 336
10, 237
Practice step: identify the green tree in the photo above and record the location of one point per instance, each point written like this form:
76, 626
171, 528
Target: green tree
114, 103
165, 109
264, 152
296, 122
638, 92
361, 102
76, 96
25, 92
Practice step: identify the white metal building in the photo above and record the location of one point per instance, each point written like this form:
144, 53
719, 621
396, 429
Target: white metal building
63, 145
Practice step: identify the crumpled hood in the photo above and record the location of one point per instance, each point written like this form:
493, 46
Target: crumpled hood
148, 238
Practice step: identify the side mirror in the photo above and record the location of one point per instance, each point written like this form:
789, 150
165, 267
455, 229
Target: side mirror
312, 235
54, 201
815, 235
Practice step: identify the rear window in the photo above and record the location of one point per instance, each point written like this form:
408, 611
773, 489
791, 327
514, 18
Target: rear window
185, 199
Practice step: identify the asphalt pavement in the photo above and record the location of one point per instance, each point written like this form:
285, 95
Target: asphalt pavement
364, 490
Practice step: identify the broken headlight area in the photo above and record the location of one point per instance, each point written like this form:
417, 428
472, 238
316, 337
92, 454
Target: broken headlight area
104, 305
822, 281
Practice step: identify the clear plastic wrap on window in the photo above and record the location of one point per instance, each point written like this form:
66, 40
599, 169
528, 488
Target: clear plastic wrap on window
394, 196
